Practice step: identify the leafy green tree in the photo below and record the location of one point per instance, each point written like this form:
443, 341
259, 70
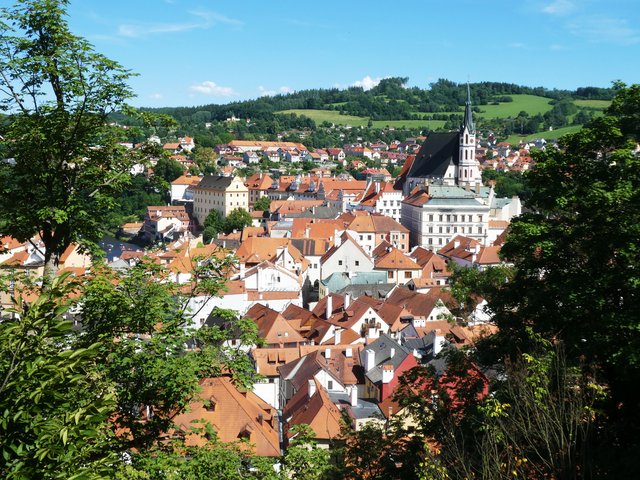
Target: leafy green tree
576, 258
304, 460
168, 169
237, 220
262, 204
213, 224
55, 405
68, 164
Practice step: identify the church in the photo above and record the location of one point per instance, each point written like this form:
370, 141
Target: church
445, 158
443, 190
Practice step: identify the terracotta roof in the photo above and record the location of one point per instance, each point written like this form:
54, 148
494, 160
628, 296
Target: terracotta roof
489, 255
187, 180
233, 415
396, 260
319, 412
419, 304
272, 326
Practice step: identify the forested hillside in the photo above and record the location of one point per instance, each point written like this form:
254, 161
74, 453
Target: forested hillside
502, 108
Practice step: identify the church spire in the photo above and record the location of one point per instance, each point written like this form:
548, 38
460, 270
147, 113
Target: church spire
468, 116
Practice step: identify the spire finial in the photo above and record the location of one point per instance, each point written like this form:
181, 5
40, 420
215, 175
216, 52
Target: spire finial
468, 114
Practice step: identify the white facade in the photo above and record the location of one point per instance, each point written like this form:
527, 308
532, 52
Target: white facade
347, 257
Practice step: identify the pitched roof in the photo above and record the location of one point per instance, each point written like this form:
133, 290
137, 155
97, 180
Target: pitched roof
187, 180
272, 326
319, 412
394, 259
214, 182
233, 415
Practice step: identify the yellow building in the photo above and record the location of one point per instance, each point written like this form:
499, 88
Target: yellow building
223, 194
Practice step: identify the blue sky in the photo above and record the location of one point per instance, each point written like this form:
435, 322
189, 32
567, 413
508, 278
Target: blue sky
196, 52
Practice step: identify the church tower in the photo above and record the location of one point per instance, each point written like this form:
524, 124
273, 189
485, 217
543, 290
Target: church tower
468, 171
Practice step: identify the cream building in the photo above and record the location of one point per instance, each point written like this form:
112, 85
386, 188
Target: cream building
223, 194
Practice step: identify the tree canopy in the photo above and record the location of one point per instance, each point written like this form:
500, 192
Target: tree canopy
67, 163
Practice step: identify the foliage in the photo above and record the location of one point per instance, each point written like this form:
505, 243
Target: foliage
304, 460
237, 220
141, 323
262, 204
380, 451
576, 259
167, 169
213, 224
58, 93
54, 402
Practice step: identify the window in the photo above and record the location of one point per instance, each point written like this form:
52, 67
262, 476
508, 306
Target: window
407, 275
357, 263
389, 274
329, 384
339, 262
368, 237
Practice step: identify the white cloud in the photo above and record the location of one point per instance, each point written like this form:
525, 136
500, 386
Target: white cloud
156, 96
203, 19
367, 83
559, 7
517, 45
264, 92
605, 30
212, 89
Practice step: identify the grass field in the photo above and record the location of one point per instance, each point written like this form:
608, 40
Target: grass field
333, 116
599, 104
531, 104
552, 135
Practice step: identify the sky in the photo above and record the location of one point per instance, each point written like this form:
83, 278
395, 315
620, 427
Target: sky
197, 52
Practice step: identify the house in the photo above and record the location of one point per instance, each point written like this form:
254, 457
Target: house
336, 368
186, 144
234, 415
250, 158
468, 252
336, 154
180, 191
374, 229
382, 198
399, 268
345, 256
215, 192
312, 405
166, 223
354, 321
433, 266
273, 328
258, 185
271, 285
384, 361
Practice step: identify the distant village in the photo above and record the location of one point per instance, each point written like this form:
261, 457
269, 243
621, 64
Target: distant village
345, 278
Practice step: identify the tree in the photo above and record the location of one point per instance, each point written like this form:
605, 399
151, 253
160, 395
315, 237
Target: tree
58, 93
237, 220
577, 266
213, 224
304, 460
55, 406
168, 169
262, 204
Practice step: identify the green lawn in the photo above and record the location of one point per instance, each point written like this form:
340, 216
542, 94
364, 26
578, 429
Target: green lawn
330, 116
333, 116
532, 104
599, 104
552, 135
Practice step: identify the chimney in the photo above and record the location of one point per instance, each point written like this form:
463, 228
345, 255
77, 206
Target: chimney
392, 353
370, 359
260, 418
456, 243
329, 311
312, 387
347, 300
327, 353
377, 187
353, 396
477, 188
387, 373
467, 187
337, 336
348, 353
